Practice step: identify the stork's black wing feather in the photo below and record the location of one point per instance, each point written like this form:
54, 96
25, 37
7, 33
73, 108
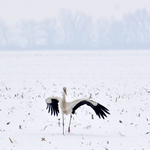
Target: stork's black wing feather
53, 107
99, 109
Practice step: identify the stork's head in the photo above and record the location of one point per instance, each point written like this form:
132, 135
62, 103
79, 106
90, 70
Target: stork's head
64, 89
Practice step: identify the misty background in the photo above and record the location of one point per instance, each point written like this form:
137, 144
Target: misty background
77, 30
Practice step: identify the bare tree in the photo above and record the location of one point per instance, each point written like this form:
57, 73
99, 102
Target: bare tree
137, 26
110, 32
143, 23
5, 33
49, 29
102, 32
131, 28
77, 27
29, 30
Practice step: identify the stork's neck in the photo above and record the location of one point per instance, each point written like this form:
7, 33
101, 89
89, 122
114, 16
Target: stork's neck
64, 97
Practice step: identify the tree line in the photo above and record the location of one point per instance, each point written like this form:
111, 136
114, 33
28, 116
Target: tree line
77, 30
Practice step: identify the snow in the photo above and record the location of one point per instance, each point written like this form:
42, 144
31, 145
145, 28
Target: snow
119, 80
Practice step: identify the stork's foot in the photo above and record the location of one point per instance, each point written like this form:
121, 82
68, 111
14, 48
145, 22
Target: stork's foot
69, 129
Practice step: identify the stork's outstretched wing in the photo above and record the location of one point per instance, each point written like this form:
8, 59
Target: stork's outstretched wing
99, 109
52, 105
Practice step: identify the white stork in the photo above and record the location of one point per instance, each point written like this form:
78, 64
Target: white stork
70, 107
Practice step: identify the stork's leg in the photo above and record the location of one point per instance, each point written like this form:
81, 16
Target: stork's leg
69, 122
63, 122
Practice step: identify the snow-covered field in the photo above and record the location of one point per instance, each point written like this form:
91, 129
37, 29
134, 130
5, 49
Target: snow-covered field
119, 80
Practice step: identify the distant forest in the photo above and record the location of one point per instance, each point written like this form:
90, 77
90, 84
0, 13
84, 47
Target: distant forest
76, 30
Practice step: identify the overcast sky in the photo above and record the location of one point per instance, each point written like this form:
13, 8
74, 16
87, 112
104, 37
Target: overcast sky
14, 10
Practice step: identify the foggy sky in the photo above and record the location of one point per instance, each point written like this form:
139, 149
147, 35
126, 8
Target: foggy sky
13, 11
